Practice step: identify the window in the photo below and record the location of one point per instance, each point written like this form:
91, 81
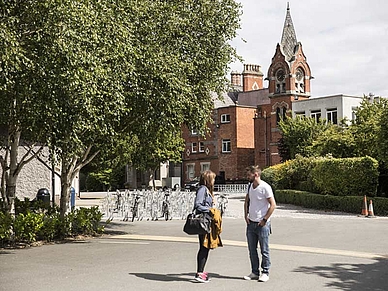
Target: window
331, 115
299, 81
300, 113
201, 147
194, 147
280, 114
226, 146
205, 167
194, 132
225, 118
316, 114
190, 171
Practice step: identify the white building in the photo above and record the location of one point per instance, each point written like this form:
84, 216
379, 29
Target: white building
332, 108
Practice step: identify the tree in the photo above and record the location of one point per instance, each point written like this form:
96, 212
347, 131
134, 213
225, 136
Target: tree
369, 127
17, 110
99, 70
298, 136
337, 141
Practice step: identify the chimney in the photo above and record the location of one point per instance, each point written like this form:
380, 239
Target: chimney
252, 78
235, 78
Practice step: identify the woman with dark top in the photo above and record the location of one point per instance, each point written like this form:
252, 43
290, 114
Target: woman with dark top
203, 202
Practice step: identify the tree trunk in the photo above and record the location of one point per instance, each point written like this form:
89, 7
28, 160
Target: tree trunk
66, 174
12, 176
70, 168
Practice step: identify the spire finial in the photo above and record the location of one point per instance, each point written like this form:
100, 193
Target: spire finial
288, 5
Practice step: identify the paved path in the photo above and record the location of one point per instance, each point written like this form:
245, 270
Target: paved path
310, 250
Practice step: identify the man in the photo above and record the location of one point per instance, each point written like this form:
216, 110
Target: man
258, 207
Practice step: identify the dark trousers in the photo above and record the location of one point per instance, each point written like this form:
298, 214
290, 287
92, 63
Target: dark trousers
202, 255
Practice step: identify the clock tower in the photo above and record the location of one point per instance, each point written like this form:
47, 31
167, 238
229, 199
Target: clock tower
289, 74
289, 78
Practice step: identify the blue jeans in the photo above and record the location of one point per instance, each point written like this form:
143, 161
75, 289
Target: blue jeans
259, 234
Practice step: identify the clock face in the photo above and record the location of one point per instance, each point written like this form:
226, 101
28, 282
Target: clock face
299, 75
280, 75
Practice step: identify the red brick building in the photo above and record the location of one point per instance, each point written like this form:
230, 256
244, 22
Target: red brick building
245, 129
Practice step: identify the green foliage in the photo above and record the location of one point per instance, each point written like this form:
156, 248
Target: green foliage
346, 177
5, 226
89, 76
99, 181
364, 137
85, 221
336, 141
52, 227
36, 206
27, 226
369, 127
298, 135
350, 204
340, 177
383, 135
292, 174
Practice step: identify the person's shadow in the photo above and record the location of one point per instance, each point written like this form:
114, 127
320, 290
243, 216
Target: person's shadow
188, 277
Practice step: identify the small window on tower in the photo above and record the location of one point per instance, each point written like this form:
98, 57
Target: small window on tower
225, 118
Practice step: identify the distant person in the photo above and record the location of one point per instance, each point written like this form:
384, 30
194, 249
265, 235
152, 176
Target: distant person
204, 201
258, 207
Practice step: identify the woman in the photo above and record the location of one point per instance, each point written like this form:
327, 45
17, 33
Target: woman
203, 202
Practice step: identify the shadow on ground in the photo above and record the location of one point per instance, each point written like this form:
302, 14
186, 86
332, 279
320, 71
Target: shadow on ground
178, 277
352, 277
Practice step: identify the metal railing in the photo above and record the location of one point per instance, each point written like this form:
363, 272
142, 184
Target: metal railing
231, 188
150, 205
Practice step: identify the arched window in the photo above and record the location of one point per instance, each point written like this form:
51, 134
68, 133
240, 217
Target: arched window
281, 113
299, 81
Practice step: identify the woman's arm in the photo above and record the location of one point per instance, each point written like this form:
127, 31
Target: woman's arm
199, 200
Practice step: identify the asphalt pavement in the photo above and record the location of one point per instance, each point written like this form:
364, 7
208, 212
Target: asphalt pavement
310, 250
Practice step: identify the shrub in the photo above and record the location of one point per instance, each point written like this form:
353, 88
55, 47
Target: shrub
27, 226
5, 227
340, 177
346, 177
350, 204
85, 221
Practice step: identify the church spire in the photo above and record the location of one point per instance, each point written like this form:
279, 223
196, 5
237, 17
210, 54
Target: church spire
289, 40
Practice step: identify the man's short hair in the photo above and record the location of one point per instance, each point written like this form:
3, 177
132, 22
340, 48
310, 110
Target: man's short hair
253, 169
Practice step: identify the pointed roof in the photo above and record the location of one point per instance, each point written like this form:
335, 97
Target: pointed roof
289, 40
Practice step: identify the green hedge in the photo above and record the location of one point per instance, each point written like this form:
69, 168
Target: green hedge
350, 204
346, 177
338, 177
35, 221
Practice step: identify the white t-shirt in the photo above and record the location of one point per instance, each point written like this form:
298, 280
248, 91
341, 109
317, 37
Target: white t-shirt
258, 201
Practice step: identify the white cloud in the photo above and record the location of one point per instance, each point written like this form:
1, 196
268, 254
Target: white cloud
345, 41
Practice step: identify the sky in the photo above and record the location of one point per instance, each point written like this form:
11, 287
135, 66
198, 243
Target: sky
345, 42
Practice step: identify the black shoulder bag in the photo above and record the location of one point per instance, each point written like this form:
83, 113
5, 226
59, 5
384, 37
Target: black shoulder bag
198, 223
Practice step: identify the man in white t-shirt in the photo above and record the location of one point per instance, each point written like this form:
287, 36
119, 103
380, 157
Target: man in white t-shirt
258, 208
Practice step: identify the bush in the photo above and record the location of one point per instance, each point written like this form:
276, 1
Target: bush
45, 224
350, 204
340, 177
85, 221
27, 226
346, 177
5, 227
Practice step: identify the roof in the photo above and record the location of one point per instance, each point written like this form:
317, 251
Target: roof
254, 98
289, 40
229, 99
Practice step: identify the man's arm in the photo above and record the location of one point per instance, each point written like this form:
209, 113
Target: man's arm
272, 206
246, 205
